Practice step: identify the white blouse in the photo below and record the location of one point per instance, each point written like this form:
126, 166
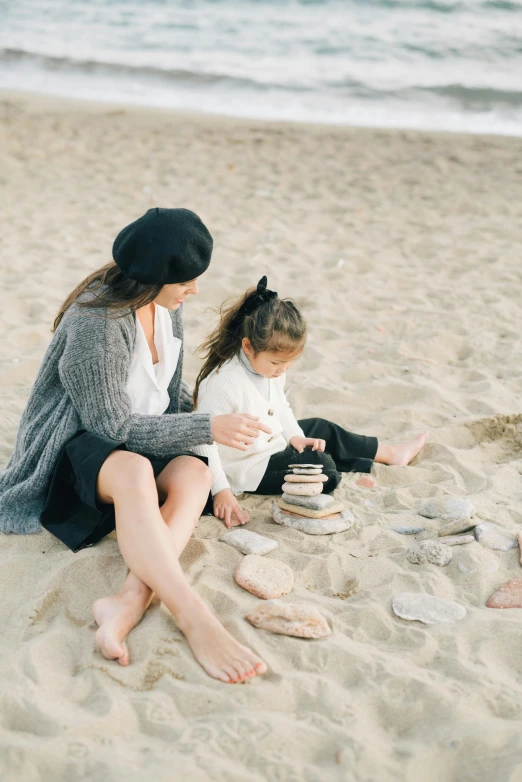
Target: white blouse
147, 383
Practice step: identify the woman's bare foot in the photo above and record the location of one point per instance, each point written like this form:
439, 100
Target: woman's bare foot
218, 653
400, 455
116, 616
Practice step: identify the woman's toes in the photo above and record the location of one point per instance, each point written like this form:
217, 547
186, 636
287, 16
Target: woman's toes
241, 668
260, 666
124, 659
223, 676
231, 675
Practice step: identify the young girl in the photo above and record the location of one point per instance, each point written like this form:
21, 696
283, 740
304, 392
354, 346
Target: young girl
247, 356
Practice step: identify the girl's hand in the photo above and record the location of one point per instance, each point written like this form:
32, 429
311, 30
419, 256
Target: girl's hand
227, 508
300, 443
237, 430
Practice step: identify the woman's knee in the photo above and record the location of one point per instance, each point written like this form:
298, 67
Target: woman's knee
185, 471
123, 471
203, 473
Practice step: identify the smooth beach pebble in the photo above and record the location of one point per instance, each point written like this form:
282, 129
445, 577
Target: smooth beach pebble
265, 578
366, 482
429, 551
329, 525
455, 527
447, 508
302, 466
303, 489
407, 530
508, 596
457, 540
308, 472
319, 478
319, 502
497, 538
249, 542
313, 513
289, 619
417, 606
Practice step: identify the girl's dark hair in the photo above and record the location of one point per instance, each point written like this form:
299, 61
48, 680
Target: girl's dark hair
268, 322
118, 294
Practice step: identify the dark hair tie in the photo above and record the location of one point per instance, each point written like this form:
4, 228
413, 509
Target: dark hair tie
261, 296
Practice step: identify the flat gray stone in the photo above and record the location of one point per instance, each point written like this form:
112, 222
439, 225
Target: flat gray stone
301, 466
455, 527
301, 471
447, 508
429, 552
495, 537
249, 542
407, 530
319, 502
417, 606
325, 526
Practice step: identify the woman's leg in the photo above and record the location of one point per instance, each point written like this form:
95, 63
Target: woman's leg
355, 452
118, 614
151, 547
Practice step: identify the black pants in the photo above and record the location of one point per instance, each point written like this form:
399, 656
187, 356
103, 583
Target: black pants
345, 452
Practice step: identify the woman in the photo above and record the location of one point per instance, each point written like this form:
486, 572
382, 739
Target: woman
103, 439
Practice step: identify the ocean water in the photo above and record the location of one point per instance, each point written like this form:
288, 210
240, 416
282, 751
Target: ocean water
434, 64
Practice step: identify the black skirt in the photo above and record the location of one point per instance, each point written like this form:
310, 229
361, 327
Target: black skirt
72, 513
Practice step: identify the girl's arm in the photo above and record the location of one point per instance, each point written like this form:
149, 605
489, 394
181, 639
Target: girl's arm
214, 462
214, 401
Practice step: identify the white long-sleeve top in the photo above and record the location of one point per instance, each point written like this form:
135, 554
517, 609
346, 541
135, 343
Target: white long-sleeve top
235, 389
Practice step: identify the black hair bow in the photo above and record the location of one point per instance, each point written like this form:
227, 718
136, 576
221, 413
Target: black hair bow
258, 298
261, 296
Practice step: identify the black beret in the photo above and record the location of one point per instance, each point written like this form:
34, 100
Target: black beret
163, 247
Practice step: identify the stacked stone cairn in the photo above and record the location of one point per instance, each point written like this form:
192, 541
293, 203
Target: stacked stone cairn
304, 506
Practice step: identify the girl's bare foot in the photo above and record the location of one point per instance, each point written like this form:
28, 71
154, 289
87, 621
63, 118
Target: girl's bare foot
218, 653
401, 455
116, 616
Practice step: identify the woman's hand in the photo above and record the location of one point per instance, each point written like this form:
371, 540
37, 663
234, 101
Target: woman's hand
227, 508
300, 443
237, 430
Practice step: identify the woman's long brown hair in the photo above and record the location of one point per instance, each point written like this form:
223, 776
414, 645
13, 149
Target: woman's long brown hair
274, 324
118, 293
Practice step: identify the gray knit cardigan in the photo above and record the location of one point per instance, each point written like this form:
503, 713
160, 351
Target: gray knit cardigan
81, 385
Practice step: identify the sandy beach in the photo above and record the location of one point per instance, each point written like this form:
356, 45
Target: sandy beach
403, 251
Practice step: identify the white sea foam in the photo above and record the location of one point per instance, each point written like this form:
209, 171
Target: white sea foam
449, 65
